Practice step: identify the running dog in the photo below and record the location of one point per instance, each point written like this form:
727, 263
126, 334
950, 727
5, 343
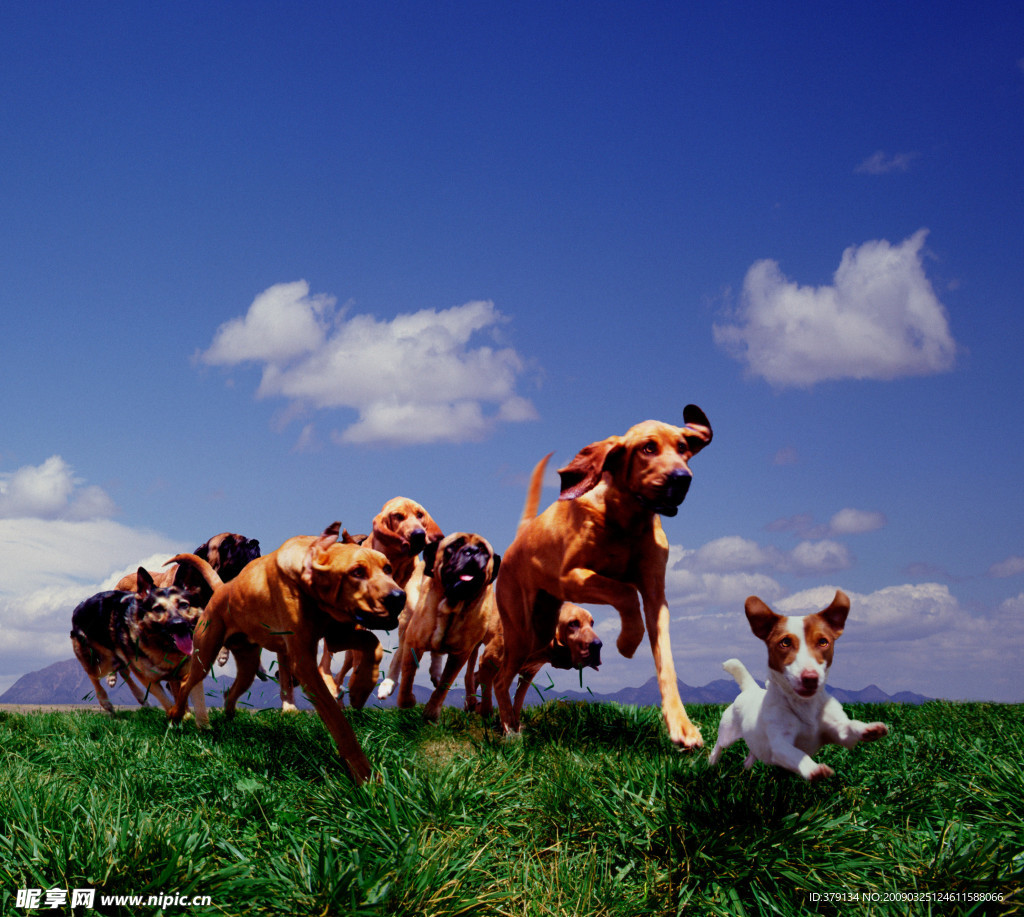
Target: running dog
602, 543
148, 633
401, 530
311, 588
575, 645
455, 604
787, 722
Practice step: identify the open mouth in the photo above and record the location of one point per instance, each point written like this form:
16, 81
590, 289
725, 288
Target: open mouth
387, 621
183, 643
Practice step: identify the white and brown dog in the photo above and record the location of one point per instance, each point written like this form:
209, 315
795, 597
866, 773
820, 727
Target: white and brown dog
789, 720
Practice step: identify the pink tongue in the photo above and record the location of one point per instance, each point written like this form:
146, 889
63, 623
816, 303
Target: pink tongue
184, 644
466, 577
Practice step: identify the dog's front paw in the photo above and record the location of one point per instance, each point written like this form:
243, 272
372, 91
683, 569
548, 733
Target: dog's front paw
820, 772
874, 731
288, 707
385, 689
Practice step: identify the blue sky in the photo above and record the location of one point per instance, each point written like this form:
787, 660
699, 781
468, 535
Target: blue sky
268, 265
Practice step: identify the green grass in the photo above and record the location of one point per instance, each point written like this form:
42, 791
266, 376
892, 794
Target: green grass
591, 813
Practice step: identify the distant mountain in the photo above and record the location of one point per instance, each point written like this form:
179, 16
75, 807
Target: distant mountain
67, 683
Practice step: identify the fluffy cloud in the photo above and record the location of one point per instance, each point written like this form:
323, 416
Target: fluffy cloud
422, 377
47, 567
880, 319
1009, 567
880, 163
733, 554
847, 521
51, 491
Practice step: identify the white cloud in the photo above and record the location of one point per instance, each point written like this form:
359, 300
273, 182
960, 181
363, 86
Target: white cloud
1009, 567
880, 163
733, 554
856, 522
880, 319
51, 491
47, 567
426, 376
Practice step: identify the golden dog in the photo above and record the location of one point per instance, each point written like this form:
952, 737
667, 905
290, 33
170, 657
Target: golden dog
401, 530
452, 614
602, 543
575, 645
310, 588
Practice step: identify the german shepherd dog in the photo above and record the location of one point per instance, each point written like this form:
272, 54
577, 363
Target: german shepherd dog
148, 634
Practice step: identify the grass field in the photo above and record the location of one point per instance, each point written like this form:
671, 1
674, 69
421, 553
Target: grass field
591, 813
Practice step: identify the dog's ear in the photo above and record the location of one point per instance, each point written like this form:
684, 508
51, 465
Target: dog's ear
346, 538
144, 582
584, 472
433, 530
430, 557
697, 429
328, 537
835, 614
761, 618
496, 563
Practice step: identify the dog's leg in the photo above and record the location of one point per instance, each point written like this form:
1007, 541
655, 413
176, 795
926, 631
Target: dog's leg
206, 642
340, 729
452, 667
326, 660
364, 660
198, 697
585, 587
136, 690
395, 666
156, 691
838, 729
286, 683
471, 681
680, 730
728, 733
247, 661
410, 664
792, 758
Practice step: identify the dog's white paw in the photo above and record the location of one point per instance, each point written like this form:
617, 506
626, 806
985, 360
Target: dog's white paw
875, 731
821, 772
385, 689
287, 707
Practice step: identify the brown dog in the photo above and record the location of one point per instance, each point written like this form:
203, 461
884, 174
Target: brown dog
602, 543
575, 645
310, 588
227, 553
401, 530
452, 615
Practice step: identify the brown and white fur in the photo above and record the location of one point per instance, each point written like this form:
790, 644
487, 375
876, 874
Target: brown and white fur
789, 720
401, 530
455, 612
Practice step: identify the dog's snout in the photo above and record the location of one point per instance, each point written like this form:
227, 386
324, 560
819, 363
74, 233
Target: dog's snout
679, 483
595, 653
394, 601
417, 540
809, 681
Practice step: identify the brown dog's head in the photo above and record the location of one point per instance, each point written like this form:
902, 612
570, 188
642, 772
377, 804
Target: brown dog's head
351, 582
404, 528
464, 564
649, 462
576, 645
228, 553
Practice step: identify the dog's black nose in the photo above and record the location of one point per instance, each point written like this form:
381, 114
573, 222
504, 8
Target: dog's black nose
595, 653
678, 484
394, 601
417, 541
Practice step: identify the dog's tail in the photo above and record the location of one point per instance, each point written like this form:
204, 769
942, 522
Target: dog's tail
207, 574
533, 491
739, 671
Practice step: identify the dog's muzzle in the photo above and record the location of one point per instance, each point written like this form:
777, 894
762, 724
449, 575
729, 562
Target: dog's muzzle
673, 492
417, 541
594, 654
393, 604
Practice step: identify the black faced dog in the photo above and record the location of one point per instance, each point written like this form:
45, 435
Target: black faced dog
148, 633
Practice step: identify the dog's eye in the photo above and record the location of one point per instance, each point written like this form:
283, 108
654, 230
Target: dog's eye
387, 569
823, 641
649, 448
574, 625
786, 642
359, 572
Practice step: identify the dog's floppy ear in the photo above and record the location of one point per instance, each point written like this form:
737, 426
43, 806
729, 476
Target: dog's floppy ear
835, 614
326, 538
697, 429
584, 472
430, 557
496, 563
761, 618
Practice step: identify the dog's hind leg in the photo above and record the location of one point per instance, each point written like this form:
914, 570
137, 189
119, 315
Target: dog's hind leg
364, 658
247, 661
452, 667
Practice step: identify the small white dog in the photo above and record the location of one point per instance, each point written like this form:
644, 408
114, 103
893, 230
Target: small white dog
787, 722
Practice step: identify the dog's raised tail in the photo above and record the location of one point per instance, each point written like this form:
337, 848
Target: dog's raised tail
533, 491
739, 671
202, 570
